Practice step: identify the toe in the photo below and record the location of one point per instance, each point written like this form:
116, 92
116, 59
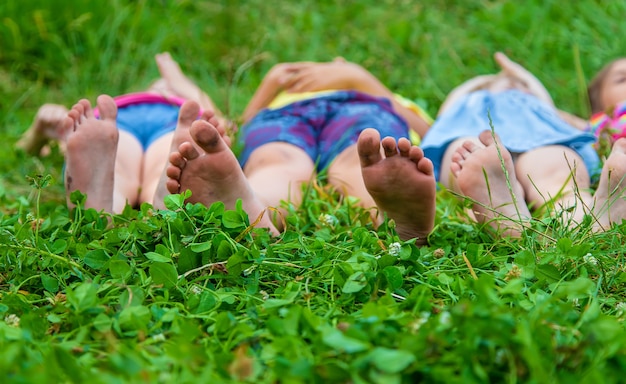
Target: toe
207, 136
189, 112
368, 147
173, 172
177, 160
467, 148
172, 185
487, 137
107, 108
389, 146
425, 165
415, 154
188, 151
404, 146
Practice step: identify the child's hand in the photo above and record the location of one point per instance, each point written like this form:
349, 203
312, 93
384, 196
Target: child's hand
523, 76
512, 68
281, 74
321, 76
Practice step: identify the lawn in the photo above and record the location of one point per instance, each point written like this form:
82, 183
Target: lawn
197, 294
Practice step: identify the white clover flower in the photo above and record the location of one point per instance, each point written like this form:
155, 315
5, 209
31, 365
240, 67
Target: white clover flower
12, 320
246, 272
444, 318
590, 259
264, 295
621, 308
196, 290
328, 219
417, 324
394, 249
500, 357
158, 337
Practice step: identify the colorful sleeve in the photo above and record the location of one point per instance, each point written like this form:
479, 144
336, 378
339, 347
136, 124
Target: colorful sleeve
614, 122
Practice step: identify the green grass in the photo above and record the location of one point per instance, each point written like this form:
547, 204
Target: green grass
189, 295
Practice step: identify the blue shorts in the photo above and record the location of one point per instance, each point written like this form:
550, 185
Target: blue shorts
522, 121
147, 122
322, 126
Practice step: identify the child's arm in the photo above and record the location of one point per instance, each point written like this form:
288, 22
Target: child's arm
515, 70
573, 120
340, 74
271, 85
536, 88
471, 85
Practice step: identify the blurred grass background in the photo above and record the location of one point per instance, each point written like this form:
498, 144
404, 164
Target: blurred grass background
60, 51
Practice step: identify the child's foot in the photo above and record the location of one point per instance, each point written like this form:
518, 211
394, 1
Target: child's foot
209, 169
46, 126
188, 113
91, 150
610, 203
402, 183
481, 177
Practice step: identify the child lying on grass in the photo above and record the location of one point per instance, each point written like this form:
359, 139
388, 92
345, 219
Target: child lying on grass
534, 157
304, 118
120, 159
607, 96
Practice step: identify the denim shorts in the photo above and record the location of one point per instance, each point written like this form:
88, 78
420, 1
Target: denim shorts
146, 116
323, 126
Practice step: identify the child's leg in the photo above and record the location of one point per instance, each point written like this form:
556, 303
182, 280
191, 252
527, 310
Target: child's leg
91, 148
211, 171
155, 160
174, 81
610, 197
559, 173
48, 125
402, 183
276, 172
128, 165
486, 174
344, 175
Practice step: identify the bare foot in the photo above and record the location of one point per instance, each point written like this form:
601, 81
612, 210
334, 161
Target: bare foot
402, 183
46, 126
91, 149
209, 169
188, 113
480, 176
610, 203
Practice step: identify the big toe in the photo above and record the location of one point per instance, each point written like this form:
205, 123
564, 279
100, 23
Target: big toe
207, 136
107, 107
487, 137
368, 147
189, 111
620, 145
